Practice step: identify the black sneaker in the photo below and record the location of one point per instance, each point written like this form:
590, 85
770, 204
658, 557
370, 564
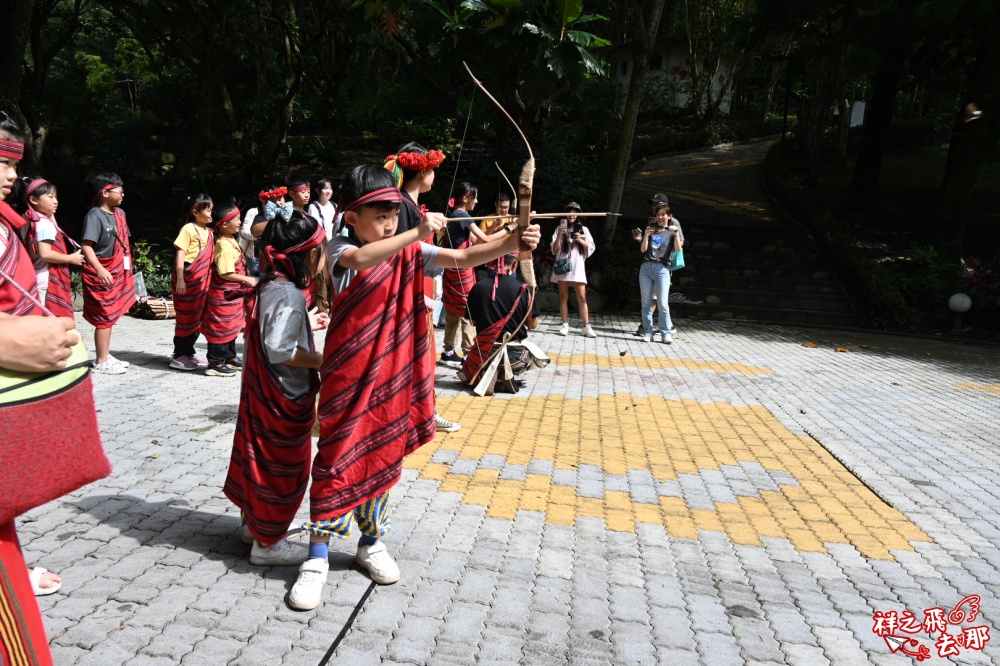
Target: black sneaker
450, 360
219, 371
235, 363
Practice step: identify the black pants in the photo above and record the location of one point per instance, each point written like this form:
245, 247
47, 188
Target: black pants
184, 344
219, 353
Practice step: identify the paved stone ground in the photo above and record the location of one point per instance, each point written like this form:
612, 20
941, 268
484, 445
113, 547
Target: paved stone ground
734, 498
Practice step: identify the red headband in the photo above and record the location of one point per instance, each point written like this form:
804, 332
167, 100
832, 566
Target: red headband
97, 197
390, 194
234, 213
12, 150
34, 185
304, 187
278, 259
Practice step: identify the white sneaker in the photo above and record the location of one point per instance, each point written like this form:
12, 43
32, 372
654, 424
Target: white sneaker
666, 338
564, 329
647, 337
109, 367
281, 554
120, 362
588, 332
444, 425
307, 593
379, 563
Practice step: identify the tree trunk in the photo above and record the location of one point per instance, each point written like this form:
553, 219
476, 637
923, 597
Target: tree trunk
646, 37
878, 117
969, 141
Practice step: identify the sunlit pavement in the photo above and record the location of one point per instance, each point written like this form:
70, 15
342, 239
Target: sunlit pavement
733, 498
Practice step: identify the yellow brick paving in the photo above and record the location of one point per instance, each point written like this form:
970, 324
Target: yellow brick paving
666, 437
653, 363
985, 388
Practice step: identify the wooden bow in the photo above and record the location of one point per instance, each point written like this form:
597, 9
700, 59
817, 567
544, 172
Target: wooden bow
524, 187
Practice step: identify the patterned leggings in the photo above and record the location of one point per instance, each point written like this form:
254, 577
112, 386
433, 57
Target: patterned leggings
373, 518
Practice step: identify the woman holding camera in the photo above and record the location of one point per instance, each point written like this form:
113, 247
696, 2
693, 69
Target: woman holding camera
572, 244
660, 238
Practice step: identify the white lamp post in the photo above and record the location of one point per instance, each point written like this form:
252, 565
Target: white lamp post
959, 304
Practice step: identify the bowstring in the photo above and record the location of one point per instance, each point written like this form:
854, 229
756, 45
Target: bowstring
451, 192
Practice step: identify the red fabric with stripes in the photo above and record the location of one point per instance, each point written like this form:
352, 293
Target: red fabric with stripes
15, 262
269, 467
190, 307
59, 297
377, 400
104, 305
310, 292
458, 282
22, 635
485, 341
224, 317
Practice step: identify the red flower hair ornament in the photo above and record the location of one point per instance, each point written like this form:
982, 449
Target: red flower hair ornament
272, 195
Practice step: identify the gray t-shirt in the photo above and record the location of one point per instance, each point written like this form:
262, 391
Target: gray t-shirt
341, 277
101, 228
284, 328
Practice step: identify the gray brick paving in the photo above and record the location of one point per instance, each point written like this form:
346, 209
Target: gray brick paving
154, 572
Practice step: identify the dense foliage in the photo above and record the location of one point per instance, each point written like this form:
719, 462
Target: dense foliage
220, 95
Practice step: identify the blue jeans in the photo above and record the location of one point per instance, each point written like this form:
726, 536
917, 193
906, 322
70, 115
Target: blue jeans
654, 277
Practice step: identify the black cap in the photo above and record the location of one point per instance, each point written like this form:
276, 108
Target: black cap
572, 205
658, 198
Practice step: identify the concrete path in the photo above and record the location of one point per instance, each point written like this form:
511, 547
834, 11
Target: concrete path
733, 498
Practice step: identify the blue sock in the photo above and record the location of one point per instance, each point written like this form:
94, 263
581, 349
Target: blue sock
319, 551
366, 540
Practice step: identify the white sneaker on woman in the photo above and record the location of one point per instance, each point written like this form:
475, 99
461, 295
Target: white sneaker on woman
564, 329
647, 337
588, 332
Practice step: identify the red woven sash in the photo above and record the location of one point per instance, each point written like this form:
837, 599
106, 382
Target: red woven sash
190, 307
104, 305
269, 467
225, 309
377, 400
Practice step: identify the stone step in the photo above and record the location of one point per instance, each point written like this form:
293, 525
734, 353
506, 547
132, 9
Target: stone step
782, 284
773, 315
767, 299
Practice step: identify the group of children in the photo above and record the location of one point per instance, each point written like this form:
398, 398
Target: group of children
104, 255
375, 386
364, 274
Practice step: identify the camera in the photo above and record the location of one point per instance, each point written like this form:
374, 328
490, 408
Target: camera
576, 228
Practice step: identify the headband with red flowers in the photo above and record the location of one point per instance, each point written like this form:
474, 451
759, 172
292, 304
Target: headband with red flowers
272, 195
432, 159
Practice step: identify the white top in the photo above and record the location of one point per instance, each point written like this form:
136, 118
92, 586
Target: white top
578, 274
246, 238
327, 216
45, 231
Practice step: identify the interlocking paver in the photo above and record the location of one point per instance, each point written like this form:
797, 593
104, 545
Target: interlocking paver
732, 498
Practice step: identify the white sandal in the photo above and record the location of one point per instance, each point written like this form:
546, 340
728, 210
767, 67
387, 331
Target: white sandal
36, 579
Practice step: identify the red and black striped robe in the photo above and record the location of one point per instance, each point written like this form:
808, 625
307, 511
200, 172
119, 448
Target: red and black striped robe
225, 312
59, 297
486, 340
269, 467
377, 400
190, 307
16, 263
104, 305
